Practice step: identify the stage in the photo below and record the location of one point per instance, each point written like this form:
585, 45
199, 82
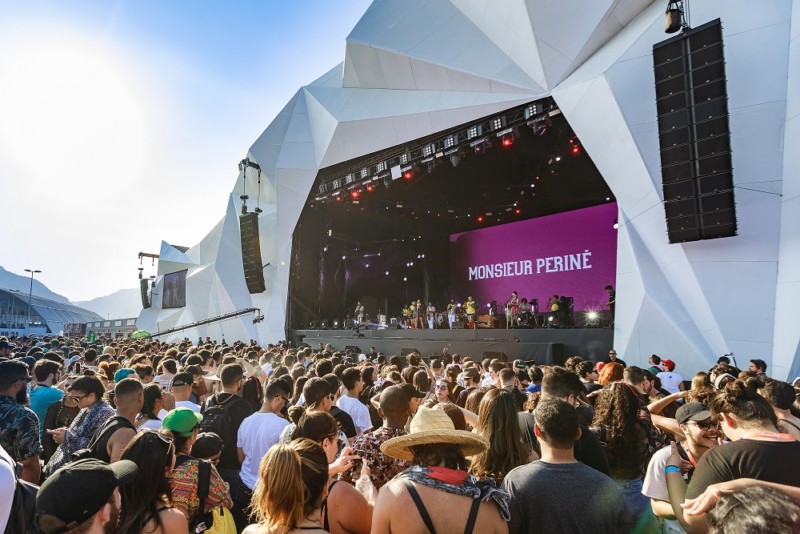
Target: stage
545, 346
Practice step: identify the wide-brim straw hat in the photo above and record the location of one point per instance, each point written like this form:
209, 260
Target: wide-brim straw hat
431, 426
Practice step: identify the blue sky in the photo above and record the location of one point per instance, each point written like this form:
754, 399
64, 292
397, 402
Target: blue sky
121, 123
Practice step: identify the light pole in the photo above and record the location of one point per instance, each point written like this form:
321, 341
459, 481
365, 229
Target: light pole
30, 295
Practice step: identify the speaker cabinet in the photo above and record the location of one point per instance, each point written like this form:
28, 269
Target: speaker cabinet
144, 285
694, 135
251, 253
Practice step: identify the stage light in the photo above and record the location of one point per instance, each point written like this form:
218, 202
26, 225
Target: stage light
325, 248
428, 150
575, 148
476, 130
480, 218
592, 315
616, 224
431, 166
608, 199
405, 158
387, 273
450, 141
408, 173
533, 110
382, 166
498, 123
557, 158
508, 140
354, 194
517, 211
364, 172
370, 188
481, 145
344, 257
338, 198
405, 279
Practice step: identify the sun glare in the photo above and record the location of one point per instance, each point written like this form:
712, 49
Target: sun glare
71, 116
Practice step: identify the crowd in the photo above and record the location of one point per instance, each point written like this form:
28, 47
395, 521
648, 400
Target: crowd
139, 436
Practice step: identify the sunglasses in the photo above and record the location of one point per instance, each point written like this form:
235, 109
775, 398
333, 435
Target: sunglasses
441, 386
705, 425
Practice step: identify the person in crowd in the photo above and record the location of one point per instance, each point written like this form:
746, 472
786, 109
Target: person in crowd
394, 407
414, 396
757, 449
88, 392
629, 445
755, 510
231, 410
350, 403
589, 375
292, 485
562, 384
167, 369
492, 374
59, 414
781, 396
442, 391
610, 373
257, 434
344, 509
670, 380
207, 446
758, 367
472, 380
146, 501
83, 497
346, 422
497, 422
152, 405
253, 391
182, 424
612, 358
438, 477
19, 426
422, 382
181, 389
701, 435
47, 374
509, 382
558, 493
116, 432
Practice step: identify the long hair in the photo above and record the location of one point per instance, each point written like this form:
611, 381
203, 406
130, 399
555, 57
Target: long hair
617, 417
497, 422
292, 481
142, 497
610, 373
421, 381
316, 426
152, 393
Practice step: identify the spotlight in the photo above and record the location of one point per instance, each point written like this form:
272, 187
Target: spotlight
592, 315
508, 140
354, 194
616, 224
386, 273
370, 188
480, 218
575, 147
408, 173
344, 257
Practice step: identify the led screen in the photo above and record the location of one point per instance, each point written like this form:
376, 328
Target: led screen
174, 290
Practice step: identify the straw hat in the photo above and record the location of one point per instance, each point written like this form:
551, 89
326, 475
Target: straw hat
431, 426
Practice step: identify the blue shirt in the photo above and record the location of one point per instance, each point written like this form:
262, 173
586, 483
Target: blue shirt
42, 397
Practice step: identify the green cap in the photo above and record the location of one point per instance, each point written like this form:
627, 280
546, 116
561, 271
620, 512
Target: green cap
181, 421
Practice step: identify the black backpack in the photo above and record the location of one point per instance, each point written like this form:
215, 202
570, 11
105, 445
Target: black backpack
217, 418
98, 446
21, 517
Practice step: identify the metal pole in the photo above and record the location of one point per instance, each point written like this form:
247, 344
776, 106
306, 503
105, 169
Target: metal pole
30, 297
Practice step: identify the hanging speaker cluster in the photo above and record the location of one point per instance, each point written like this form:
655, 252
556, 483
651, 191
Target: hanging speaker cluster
144, 285
251, 253
694, 136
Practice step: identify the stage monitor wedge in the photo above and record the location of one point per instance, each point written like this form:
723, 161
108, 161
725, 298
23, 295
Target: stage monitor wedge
251, 253
694, 135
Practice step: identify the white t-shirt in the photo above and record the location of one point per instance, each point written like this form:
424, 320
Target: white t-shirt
257, 433
153, 424
7, 487
670, 381
187, 404
655, 486
358, 411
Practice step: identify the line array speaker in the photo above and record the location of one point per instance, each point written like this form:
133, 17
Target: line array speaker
251, 253
693, 134
144, 285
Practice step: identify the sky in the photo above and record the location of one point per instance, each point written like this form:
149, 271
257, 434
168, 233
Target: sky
122, 122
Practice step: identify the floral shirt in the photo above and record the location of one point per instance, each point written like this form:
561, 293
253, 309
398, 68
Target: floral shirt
19, 429
79, 434
383, 467
183, 483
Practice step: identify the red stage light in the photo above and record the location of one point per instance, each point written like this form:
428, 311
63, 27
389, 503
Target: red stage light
517, 211
480, 218
338, 198
408, 174
508, 140
355, 194
370, 188
575, 150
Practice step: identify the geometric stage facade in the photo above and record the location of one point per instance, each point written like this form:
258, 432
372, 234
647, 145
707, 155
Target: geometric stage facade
415, 67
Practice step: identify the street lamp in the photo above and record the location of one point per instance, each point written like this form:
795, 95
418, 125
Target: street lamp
30, 295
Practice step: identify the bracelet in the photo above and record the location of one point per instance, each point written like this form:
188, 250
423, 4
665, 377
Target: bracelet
672, 469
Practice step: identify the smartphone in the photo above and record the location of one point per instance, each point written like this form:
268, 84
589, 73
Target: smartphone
358, 463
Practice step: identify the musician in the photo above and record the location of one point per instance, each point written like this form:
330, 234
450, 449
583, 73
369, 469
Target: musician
524, 312
419, 313
471, 307
359, 313
451, 313
553, 302
512, 309
612, 300
406, 311
430, 313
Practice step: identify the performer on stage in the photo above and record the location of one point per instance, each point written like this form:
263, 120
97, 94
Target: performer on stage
471, 307
553, 303
406, 316
512, 310
451, 313
524, 312
359, 314
419, 313
612, 300
430, 313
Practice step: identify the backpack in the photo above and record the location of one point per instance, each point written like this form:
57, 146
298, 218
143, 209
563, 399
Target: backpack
98, 446
217, 418
21, 517
216, 521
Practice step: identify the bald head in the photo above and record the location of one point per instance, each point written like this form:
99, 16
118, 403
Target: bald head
394, 404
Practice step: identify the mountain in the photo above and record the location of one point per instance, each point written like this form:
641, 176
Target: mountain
118, 305
9, 280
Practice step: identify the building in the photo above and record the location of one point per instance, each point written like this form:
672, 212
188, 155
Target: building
46, 316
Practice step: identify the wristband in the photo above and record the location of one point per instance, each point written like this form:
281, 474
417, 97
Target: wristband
672, 469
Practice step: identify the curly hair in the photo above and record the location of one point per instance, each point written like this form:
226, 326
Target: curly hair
497, 422
741, 399
755, 509
616, 420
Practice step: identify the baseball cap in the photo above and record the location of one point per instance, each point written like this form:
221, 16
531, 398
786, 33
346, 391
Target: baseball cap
692, 411
182, 379
181, 421
669, 364
315, 390
411, 391
125, 372
208, 444
74, 493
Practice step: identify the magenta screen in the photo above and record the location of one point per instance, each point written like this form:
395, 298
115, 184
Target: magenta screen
572, 254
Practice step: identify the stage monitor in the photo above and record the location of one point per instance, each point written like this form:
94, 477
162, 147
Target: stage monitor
572, 253
174, 290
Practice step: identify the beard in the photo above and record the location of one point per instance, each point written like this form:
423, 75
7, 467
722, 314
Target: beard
22, 396
113, 522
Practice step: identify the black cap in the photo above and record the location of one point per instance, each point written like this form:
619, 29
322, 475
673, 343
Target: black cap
411, 391
315, 390
692, 411
77, 491
11, 370
206, 445
182, 379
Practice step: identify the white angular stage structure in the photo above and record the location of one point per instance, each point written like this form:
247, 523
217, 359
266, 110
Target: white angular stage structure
416, 67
